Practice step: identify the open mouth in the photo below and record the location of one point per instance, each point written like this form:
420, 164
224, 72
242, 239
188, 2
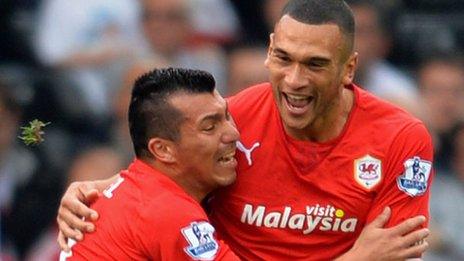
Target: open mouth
228, 159
297, 104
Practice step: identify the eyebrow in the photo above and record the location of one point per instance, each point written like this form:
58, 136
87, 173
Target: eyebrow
317, 59
280, 51
216, 116
212, 117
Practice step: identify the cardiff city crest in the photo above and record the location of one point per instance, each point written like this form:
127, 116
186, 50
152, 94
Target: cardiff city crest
368, 171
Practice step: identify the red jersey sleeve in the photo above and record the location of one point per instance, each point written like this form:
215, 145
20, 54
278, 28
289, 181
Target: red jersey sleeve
408, 176
185, 237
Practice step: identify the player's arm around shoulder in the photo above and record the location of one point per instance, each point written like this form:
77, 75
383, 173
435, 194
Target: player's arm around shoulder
75, 217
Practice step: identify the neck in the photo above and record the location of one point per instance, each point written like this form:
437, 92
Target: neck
195, 191
180, 178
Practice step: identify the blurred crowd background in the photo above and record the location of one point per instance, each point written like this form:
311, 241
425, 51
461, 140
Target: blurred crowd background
72, 63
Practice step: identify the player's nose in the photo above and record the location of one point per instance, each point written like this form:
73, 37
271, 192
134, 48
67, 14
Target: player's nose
295, 76
231, 134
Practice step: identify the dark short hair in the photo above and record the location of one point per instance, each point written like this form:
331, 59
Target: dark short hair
151, 114
318, 12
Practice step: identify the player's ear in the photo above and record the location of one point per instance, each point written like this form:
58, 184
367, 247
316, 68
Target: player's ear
350, 68
162, 150
269, 49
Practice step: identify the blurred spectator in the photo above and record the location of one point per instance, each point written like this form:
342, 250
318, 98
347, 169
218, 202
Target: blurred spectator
223, 30
374, 72
91, 162
19, 167
424, 26
17, 21
95, 163
458, 156
272, 9
252, 23
31, 177
167, 26
12, 174
121, 142
99, 162
90, 42
441, 80
246, 67
447, 210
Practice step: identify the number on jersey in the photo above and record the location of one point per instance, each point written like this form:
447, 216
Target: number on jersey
109, 191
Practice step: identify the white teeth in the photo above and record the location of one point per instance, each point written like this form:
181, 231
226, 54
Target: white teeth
297, 97
228, 157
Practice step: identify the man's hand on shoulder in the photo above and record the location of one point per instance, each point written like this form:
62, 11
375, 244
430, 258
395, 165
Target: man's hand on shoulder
400, 242
74, 216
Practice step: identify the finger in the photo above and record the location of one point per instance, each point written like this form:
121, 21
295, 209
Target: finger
79, 235
408, 225
414, 251
381, 219
415, 237
74, 222
62, 242
67, 231
90, 197
79, 209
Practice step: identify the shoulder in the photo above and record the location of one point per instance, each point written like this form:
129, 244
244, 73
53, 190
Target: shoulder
382, 113
388, 129
171, 224
170, 210
251, 94
254, 100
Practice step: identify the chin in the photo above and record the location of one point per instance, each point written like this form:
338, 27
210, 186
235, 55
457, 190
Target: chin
296, 124
227, 180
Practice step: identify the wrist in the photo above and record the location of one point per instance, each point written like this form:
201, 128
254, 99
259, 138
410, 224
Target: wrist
354, 254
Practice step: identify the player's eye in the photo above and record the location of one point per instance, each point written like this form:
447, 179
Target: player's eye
282, 58
209, 127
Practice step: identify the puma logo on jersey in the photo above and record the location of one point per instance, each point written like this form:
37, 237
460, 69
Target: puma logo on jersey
247, 152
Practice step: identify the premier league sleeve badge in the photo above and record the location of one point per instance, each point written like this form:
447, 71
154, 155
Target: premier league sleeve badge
414, 179
202, 245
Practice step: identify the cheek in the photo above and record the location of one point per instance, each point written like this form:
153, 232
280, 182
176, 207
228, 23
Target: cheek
277, 78
327, 94
204, 148
325, 84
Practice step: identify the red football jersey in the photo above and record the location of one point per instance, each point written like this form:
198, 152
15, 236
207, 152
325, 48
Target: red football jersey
300, 200
146, 216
